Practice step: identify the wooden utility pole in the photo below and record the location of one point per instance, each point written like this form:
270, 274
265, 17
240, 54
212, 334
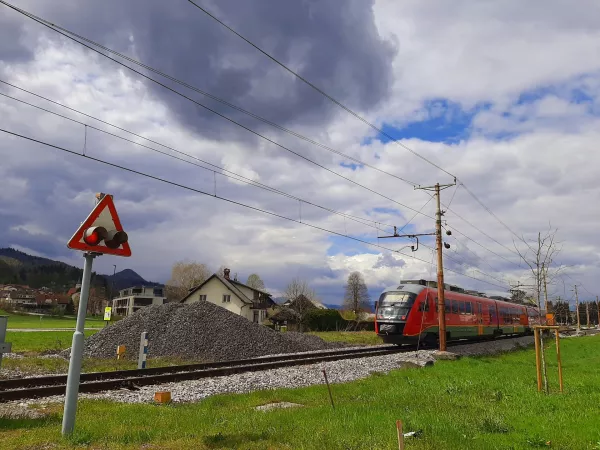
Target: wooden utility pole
440, 261
440, 271
577, 309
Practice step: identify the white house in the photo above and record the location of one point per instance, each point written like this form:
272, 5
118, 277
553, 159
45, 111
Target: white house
232, 295
134, 298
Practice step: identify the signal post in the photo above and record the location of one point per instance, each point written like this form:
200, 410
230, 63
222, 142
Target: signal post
101, 233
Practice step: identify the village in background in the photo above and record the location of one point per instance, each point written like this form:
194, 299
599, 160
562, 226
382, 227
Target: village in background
36, 285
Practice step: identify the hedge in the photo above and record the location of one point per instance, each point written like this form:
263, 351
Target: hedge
331, 320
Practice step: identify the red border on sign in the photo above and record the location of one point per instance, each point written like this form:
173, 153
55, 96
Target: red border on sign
75, 244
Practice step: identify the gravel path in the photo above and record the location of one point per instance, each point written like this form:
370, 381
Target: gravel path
294, 377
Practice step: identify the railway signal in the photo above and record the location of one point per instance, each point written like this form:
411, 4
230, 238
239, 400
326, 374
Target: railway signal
101, 233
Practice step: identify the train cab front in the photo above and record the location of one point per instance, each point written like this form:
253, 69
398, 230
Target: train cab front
393, 309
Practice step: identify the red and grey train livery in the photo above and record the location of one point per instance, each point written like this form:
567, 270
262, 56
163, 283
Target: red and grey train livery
409, 312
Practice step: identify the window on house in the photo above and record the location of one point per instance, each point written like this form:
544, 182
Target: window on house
137, 290
203, 298
226, 298
158, 292
256, 315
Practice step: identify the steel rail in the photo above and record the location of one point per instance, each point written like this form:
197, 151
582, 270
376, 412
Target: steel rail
37, 387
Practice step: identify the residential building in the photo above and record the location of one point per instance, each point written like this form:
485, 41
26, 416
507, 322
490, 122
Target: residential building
232, 295
132, 299
303, 303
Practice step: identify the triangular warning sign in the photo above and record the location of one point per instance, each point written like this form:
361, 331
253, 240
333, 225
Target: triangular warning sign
104, 215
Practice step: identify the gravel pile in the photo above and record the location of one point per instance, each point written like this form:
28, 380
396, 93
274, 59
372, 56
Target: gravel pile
200, 331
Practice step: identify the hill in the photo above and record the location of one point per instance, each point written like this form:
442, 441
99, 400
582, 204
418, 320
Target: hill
17, 267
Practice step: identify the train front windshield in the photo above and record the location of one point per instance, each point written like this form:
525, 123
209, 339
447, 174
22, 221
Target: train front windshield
395, 305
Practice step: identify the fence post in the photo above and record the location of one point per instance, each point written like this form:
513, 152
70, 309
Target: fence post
143, 350
536, 337
560, 376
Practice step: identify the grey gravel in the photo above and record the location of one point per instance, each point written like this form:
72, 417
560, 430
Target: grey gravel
200, 331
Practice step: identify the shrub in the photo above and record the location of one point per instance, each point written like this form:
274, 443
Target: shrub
323, 320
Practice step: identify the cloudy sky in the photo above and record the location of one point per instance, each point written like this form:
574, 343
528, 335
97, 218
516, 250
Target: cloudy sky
503, 95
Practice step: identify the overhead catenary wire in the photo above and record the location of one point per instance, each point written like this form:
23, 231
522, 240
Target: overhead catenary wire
66, 33
216, 98
42, 22
228, 200
344, 107
226, 173
319, 90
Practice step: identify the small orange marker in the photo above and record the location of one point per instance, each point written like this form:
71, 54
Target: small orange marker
162, 397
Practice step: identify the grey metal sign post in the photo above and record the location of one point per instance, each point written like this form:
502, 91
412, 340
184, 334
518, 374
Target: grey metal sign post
100, 234
74, 374
5, 347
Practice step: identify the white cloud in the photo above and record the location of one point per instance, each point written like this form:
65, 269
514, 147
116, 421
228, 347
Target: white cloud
468, 53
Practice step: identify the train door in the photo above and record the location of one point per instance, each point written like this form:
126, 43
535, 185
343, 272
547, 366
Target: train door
479, 319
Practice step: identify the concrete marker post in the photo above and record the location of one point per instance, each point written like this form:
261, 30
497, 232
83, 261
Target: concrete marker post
74, 374
143, 350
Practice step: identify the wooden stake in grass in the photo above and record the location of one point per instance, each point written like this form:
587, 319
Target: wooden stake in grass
120, 351
400, 435
328, 388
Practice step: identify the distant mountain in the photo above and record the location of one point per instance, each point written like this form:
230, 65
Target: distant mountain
128, 278
17, 267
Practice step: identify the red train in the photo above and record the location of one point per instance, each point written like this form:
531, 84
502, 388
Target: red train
408, 312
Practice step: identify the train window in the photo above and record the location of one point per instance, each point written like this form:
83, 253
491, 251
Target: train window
448, 306
463, 308
469, 308
424, 306
455, 307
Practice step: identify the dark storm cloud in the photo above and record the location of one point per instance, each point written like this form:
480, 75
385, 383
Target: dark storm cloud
333, 44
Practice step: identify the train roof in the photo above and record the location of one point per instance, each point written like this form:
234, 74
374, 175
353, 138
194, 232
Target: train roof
414, 288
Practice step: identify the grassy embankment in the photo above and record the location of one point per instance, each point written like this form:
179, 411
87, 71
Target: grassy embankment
350, 337
32, 344
473, 403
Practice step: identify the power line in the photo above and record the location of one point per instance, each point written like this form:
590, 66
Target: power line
66, 33
495, 216
300, 77
213, 97
42, 22
254, 208
233, 175
347, 109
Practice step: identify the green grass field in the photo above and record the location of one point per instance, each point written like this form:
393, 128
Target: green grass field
18, 321
350, 337
474, 403
41, 341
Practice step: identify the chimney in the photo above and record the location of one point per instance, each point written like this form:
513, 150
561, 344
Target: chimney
226, 273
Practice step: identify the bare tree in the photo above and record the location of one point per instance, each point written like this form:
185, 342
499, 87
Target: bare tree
300, 295
539, 259
184, 276
254, 281
357, 295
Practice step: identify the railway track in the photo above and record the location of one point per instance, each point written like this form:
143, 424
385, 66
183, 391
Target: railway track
47, 386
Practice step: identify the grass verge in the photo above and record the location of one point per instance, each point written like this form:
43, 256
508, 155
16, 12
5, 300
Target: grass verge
26, 321
41, 341
350, 337
473, 403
